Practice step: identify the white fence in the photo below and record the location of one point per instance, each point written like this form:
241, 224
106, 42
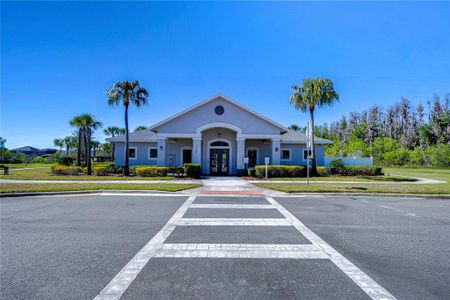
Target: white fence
350, 161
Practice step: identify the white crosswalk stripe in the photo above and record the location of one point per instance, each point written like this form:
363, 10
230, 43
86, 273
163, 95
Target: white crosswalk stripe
318, 249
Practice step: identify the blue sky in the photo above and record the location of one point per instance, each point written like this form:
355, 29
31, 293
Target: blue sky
57, 59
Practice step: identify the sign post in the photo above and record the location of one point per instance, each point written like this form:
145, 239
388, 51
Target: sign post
266, 162
309, 134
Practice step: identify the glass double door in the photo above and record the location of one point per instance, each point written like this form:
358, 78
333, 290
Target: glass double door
219, 161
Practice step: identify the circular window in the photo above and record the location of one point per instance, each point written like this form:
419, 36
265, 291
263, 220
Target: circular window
219, 110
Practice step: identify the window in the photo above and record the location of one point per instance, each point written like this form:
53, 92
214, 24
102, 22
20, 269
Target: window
306, 154
152, 153
219, 143
132, 152
187, 156
286, 154
252, 155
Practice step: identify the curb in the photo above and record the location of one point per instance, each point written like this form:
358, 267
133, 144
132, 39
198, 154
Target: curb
88, 192
427, 196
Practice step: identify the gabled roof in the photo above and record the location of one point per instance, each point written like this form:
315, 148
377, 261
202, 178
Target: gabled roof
283, 129
297, 137
145, 135
25, 148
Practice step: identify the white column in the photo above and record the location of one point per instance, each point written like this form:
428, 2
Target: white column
276, 151
161, 145
240, 153
197, 150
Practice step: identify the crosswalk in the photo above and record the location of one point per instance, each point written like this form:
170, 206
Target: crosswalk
316, 249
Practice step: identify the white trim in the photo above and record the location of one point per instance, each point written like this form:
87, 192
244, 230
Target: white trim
283, 129
135, 152
181, 155
229, 147
303, 154
290, 154
207, 126
178, 135
148, 153
257, 153
261, 136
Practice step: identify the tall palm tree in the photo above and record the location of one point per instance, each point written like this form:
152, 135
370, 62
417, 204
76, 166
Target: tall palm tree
77, 123
88, 124
313, 92
112, 131
125, 92
59, 143
95, 146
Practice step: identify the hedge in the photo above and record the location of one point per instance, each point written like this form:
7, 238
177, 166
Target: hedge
351, 171
151, 171
192, 170
280, 171
101, 171
65, 170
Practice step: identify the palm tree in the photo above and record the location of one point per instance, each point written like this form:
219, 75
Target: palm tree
70, 142
112, 131
88, 125
59, 143
313, 92
125, 92
140, 128
77, 123
95, 146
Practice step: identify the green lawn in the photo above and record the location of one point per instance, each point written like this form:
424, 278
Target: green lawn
58, 187
367, 187
349, 178
33, 165
45, 174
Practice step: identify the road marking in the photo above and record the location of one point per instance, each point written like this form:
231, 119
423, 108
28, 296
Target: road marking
237, 247
366, 283
120, 283
233, 222
143, 194
399, 210
240, 206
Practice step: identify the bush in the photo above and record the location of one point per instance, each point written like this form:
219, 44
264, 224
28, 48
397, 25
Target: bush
280, 171
251, 172
337, 167
65, 170
147, 171
65, 160
438, 155
363, 171
101, 171
323, 171
175, 171
192, 170
7, 156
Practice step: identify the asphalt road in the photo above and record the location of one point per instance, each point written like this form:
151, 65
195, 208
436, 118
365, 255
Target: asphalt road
71, 247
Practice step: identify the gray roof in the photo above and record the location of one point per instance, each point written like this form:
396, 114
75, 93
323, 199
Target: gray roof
25, 148
290, 137
297, 137
145, 135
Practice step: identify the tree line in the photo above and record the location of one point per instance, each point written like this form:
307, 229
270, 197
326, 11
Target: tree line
401, 134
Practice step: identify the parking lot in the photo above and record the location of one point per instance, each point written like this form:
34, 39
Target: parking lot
141, 246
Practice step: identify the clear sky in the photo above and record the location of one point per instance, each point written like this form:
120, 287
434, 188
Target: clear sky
57, 59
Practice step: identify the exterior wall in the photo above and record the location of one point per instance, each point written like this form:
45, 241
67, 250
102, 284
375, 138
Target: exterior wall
174, 150
142, 154
297, 154
351, 161
205, 114
212, 134
264, 150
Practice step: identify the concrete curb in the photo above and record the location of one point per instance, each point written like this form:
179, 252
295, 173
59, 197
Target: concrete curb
427, 196
93, 192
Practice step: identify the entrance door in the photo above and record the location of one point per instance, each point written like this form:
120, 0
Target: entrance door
219, 161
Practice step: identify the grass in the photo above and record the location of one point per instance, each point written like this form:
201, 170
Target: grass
31, 165
366, 187
45, 174
349, 178
59, 187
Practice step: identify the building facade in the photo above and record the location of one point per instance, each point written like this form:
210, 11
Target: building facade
221, 135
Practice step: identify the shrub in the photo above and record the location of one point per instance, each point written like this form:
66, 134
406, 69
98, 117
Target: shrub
323, 171
101, 171
192, 170
175, 171
65, 170
363, 171
280, 171
337, 167
251, 172
65, 160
